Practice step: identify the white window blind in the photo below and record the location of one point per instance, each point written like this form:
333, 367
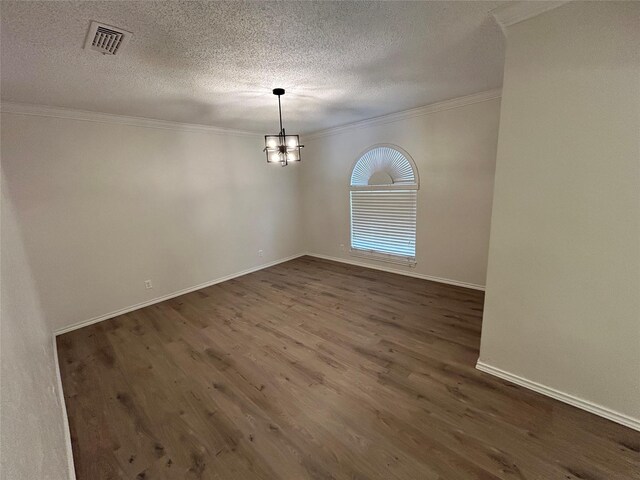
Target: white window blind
384, 188
384, 221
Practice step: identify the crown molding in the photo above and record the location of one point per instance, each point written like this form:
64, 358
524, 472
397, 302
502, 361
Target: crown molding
414, 112
87, 116
516, 12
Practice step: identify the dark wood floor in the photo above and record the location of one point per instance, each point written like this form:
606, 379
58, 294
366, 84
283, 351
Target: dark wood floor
317, 370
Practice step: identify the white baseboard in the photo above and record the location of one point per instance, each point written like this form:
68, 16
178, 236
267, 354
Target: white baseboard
65, 418
400, 272
147, 303
590, 407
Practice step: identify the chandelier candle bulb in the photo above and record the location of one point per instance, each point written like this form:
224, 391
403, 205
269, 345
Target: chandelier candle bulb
282, 148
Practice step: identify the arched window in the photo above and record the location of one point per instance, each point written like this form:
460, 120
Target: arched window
384, 187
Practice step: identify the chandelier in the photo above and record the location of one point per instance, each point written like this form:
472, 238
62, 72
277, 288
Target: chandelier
282, 148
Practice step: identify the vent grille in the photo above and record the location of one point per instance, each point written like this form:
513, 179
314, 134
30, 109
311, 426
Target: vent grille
106, 39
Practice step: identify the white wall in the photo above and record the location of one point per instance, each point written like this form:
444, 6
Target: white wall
32, 438
105, 206
454, 150
563, 289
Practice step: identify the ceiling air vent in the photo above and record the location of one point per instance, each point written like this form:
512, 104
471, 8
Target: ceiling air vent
106, 39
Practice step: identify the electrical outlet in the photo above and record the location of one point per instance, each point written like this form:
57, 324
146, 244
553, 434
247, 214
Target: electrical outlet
147, 284
342, 247
261, 253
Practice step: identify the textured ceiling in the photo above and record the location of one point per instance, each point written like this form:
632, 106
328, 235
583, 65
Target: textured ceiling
215, 63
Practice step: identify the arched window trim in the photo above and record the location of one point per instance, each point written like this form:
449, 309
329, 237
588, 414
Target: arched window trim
380, 245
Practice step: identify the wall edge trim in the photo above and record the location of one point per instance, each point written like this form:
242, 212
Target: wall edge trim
65, 417
516, 12
567, 398
421, 276
37, 110
184, 291
406, 114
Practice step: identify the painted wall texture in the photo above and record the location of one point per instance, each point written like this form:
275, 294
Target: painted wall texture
562, 303
104, 207
454, 151
32, 437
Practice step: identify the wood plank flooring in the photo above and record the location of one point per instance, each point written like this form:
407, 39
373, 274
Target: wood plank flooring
317, 370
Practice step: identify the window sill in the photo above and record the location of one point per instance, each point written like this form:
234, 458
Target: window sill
384, 257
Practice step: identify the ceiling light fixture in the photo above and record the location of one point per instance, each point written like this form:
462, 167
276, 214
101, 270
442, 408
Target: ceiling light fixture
282, 148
